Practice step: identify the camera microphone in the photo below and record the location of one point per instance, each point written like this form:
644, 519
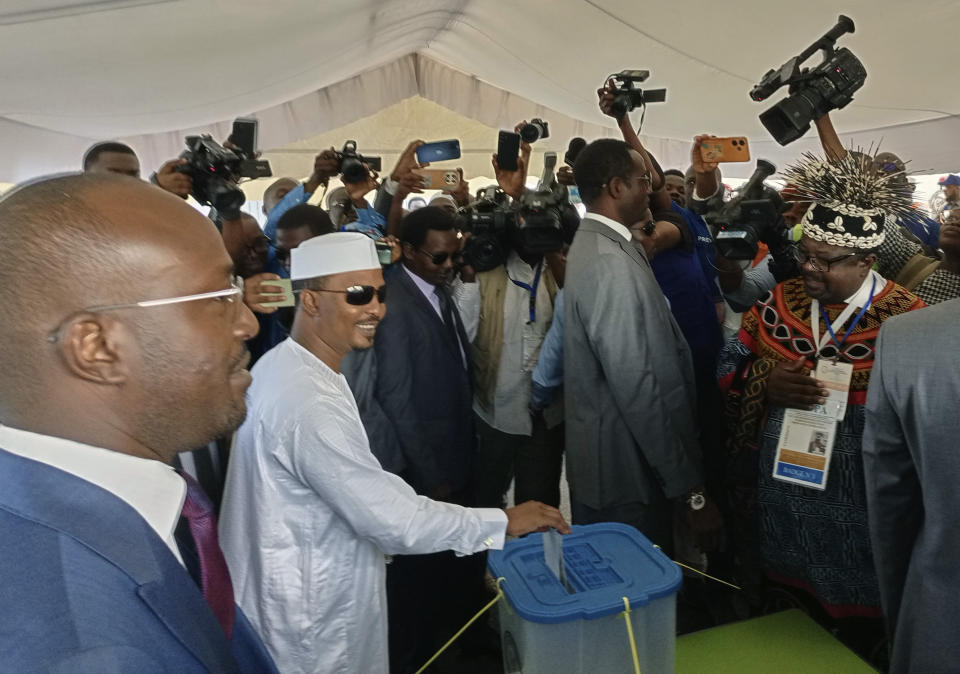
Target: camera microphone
573, 149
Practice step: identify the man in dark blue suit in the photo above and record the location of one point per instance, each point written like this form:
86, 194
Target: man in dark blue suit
127, 348
424, 387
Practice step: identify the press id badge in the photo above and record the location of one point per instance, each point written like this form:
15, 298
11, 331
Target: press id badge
804, 448
836, 379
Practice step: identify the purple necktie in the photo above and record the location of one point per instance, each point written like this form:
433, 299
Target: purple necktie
214, 574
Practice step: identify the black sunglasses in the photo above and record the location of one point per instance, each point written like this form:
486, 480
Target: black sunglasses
360, 295
439, 258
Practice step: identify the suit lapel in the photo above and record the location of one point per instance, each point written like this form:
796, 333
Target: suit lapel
79, 509
424, 305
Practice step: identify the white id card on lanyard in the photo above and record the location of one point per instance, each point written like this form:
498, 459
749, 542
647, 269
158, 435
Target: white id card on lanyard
804, 448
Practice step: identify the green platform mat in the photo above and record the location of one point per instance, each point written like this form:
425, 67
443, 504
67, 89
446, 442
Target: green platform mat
783, 643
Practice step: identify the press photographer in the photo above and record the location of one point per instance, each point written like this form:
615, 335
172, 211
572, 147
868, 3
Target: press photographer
515, 251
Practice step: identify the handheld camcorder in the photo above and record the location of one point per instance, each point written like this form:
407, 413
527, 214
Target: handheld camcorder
216, 172
746, 219
627, 95
814, 92
351, 163
533, 223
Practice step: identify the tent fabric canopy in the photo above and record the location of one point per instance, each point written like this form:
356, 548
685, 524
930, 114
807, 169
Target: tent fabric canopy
152, 71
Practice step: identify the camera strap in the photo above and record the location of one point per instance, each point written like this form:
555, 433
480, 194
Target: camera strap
531, 289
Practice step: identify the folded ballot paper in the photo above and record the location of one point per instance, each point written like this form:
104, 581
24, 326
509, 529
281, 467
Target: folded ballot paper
553, 555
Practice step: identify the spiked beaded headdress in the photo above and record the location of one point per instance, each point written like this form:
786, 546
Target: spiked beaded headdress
852, 201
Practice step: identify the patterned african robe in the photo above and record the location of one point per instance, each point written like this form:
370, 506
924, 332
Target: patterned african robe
811, 539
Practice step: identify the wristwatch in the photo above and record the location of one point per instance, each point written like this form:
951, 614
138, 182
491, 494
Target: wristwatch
696, 500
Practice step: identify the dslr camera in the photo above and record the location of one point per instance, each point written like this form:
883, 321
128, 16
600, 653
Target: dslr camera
627, 95
351, 163
534, 130
814, 93
216, 172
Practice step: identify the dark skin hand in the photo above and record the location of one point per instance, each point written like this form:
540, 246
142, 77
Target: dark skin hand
534, 516
789, 386
706, 525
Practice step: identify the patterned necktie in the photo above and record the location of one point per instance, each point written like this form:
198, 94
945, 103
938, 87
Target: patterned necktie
446, 310
214, 574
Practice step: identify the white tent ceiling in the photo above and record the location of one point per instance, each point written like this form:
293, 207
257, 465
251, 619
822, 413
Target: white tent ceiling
76, 71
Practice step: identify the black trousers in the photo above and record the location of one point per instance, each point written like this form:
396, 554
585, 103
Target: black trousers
536, 461
430, 597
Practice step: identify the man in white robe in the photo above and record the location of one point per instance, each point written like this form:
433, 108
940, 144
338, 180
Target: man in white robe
308, 513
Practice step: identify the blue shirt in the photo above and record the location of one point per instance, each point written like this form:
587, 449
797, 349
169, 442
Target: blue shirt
298, 195
924, 228
548, 373
680, 275
369, 221
703, 245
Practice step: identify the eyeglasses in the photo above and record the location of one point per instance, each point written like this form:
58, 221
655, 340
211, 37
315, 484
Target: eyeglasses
360, 295
645, 178
232, 295
439, 258
803, 257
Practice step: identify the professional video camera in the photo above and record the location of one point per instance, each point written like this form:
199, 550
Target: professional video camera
755, 214
534, 130
829, 86
540, 229
488, 220
627, 96
532, 223
216, 172
351, 163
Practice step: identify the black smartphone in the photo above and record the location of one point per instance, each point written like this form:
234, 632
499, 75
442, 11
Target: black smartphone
384, 252
508, 149
244, 135
440, 150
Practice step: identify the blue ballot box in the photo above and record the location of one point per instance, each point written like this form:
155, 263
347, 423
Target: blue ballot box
547, 629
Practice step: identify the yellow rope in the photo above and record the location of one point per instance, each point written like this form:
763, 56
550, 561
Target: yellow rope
464, 628
706, 575
633, 643
625, 614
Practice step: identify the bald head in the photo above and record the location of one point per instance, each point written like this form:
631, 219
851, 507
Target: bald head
277, 191
73, 244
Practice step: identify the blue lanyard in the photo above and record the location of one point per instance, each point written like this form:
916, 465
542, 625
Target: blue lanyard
856, 320
532, 290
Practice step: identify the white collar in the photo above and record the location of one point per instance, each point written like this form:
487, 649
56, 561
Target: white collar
612, 224
150, 487
872, 284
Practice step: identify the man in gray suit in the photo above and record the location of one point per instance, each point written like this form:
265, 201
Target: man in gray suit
632, 447
912, 473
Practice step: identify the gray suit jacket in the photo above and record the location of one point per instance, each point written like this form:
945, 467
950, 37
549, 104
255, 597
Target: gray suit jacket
911, 459
628, 378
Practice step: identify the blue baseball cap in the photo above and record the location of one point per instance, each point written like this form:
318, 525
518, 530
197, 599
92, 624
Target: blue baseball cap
951, 179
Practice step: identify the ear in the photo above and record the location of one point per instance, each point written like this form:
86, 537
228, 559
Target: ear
869, 260
96, 348
309, 303
616, 187
408, 250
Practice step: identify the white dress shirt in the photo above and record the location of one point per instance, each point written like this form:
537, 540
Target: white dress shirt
150, 487
509, 410
308, 514
620, 229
